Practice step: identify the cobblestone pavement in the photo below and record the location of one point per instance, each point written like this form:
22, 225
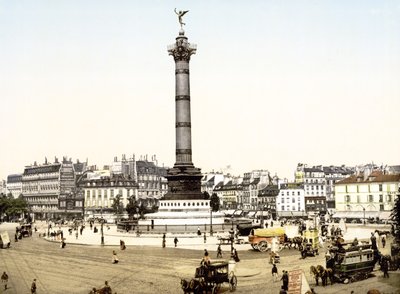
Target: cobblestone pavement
151, 269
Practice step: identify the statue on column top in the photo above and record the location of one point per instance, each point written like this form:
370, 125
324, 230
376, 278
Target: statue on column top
180, 14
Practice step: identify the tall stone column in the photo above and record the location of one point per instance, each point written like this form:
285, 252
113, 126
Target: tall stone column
183, 179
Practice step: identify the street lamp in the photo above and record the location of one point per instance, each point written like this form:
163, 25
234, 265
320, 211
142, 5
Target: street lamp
102, 223
231, 235
211, 229
363, 212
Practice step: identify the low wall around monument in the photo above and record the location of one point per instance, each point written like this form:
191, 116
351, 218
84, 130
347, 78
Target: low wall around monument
181, 229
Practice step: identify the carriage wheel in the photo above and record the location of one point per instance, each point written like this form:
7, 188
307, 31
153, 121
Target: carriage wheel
254, 246
233, 283
263, 246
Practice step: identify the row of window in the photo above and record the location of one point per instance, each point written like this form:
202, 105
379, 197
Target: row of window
166, 204
113, 192
370, 198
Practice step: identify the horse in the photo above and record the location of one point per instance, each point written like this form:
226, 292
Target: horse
380, 233
325, 275
193, 286
296, 241
315, 273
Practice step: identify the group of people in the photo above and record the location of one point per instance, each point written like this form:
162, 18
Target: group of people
4, 282
164, 241
106, 289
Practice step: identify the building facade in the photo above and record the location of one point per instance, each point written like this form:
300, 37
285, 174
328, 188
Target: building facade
14, 185
49, 190
290, 200
101, 192
366, 194
313, 179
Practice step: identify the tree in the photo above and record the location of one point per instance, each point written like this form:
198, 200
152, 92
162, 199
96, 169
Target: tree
132, 207
395, 216
206, 195
214, 202
117, 205
12, 207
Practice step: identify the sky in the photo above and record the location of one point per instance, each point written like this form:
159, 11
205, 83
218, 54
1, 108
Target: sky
273, 83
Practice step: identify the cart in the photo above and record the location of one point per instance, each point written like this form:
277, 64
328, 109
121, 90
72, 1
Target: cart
310, 244
213, 275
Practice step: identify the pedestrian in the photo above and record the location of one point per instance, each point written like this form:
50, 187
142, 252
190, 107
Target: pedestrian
373, 241
76, 235
176, 241
219, 251
81, 230
106, 289
115, 257
383, 241
285, 280
62, 245
163, 241
33, 287
274, 272
272, 223
122, 245
16, 237
205, 237
235, 255
385, 267
93, 291
4, 280
198, 231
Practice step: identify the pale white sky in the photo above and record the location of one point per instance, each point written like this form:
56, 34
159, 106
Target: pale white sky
273, 83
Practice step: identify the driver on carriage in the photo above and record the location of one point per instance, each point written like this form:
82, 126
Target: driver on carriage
205, 261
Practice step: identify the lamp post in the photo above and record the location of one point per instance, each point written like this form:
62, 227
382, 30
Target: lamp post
211, 229
231, 235
364, 214
102, 223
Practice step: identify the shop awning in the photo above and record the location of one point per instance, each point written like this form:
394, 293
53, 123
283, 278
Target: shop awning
356, 214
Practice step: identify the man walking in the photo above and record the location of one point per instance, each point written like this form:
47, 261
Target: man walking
285, 280
219, 251
33, 287
274, 273
4, 280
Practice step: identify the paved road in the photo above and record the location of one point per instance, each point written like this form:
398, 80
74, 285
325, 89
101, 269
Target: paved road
144, 269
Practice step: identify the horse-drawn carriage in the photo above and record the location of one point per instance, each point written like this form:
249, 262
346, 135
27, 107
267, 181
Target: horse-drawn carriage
262, 239
352, 263
310, 244
210, 278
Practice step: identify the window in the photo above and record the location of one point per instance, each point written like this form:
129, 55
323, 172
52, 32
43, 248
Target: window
347, 198
381, 207
380, 187
389, 198
112, 193
370, 198
380, 198
283, 207
293, 200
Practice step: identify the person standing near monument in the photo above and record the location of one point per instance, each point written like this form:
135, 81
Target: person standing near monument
176, 241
